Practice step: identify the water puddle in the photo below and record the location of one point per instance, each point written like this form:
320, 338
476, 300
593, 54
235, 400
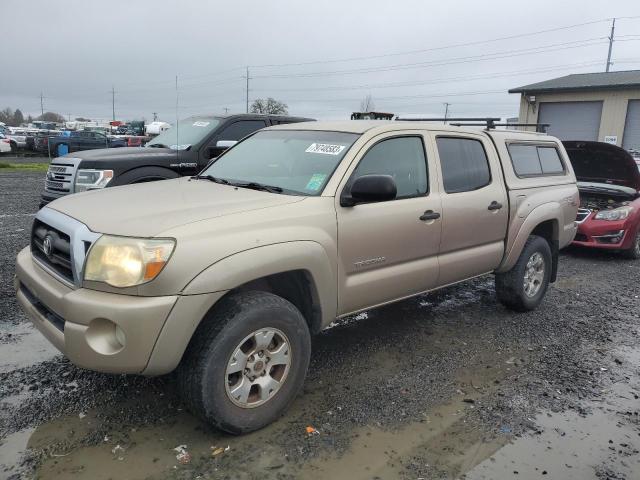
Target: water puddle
26, 347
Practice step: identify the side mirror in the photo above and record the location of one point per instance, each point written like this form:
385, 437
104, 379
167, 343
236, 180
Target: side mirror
370, 188
225, 143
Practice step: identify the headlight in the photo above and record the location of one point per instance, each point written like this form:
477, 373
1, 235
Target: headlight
615, 214
90, 179
125, 261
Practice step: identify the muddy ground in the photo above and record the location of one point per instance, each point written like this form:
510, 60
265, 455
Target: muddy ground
445, 385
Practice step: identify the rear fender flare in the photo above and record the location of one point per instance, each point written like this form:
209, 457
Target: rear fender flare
542, 213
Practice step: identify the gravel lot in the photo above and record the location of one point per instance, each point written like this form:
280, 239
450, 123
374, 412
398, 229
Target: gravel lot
445, 385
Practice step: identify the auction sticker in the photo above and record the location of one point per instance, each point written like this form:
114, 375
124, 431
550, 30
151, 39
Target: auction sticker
200, 124
325, 148
316, 181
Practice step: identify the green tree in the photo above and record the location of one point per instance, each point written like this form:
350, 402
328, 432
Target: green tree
270, 105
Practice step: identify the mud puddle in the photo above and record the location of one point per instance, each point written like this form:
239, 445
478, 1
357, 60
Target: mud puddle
601, 441
22, 345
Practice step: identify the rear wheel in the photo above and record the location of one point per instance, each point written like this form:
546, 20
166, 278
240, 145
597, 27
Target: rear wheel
523, 287
634, 251
247, 362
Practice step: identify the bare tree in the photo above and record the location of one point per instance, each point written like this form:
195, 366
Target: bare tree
52, 117
367, 105
270, 105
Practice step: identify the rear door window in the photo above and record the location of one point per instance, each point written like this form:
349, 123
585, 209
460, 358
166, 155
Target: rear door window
464, 164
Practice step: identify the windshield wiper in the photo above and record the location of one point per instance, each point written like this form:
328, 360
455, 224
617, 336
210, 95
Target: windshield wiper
258, 186
211, 178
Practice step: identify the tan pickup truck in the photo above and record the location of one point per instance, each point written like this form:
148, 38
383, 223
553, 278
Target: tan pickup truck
225, 276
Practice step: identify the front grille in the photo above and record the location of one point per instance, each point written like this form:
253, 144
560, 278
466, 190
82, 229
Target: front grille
52, 248
50, 315
583, 214
60, 177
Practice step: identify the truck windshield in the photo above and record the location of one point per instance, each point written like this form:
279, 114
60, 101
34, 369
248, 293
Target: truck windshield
189, 132
296, 161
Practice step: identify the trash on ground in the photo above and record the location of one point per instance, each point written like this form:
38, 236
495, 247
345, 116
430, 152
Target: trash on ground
312, 431
183, 456
215, 451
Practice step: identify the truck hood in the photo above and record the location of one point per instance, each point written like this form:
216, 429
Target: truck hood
124, 153
148, 209
600, 162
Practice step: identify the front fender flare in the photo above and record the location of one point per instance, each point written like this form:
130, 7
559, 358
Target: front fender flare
242, 267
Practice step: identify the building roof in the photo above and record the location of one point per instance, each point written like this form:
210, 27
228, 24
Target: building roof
585, 81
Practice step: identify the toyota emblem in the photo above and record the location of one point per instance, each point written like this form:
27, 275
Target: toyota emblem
47, 245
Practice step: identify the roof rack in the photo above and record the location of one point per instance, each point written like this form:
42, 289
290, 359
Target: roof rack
489, 122
540, 127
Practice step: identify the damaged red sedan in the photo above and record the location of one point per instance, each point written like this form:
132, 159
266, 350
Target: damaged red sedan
609, 185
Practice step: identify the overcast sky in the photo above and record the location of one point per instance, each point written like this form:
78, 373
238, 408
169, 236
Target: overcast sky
407, 54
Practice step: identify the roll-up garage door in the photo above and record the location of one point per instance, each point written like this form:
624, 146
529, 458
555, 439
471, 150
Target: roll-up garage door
631, 137
572, 120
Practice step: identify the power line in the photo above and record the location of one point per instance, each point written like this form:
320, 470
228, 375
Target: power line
485, 56
443, 47
439, 80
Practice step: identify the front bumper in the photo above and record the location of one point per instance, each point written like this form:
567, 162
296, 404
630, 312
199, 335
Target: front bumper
604, 234
81, 323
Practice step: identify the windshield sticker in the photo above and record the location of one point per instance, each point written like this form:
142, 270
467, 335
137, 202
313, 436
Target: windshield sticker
180, 147
316, 181
200, 124
325, 148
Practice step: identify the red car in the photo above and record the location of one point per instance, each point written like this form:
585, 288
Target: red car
609, 185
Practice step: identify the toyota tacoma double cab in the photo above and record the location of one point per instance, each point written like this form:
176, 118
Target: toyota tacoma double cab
178, 151
225, 276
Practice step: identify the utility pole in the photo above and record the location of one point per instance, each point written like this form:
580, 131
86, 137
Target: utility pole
613, 29
41, 103
226, 110
247, 93
113, 102
446, 111
155, 116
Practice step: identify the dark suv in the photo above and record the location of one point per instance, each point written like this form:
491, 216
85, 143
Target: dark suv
184, 149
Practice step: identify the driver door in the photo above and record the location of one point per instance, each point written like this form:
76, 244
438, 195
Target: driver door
389, 250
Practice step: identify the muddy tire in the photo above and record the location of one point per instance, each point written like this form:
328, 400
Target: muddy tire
634, 252
246, 362
523, 287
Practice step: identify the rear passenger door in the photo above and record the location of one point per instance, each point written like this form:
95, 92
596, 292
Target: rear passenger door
474, 206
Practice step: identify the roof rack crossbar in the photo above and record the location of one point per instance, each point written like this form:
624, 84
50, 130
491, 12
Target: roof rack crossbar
540, 127
488, 121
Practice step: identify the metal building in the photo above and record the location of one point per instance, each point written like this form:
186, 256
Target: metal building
586, 106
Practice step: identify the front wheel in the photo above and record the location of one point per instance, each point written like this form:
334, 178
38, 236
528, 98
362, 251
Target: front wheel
634, 252
246, 362
523, 287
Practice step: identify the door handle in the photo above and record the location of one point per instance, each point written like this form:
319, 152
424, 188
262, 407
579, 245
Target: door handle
429, 215
495, 206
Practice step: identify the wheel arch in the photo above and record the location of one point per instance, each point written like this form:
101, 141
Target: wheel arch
300, 272
544, 222
136, 174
